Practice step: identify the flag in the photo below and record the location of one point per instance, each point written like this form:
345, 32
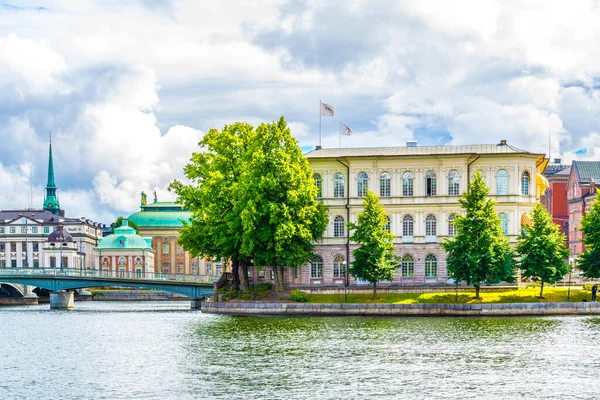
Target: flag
326, 110
345, 129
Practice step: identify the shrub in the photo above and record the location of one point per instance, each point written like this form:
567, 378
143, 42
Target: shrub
298, 296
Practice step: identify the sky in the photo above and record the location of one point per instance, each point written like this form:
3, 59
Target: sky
128, 87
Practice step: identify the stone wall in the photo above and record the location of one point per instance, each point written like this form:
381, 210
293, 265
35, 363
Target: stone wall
299, 309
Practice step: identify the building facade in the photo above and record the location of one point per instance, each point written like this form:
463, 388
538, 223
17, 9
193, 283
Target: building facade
555, 197
581, 191
419, 188
162, 221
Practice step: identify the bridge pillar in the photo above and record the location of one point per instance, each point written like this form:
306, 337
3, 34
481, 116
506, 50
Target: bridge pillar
195, 304
62, 300
28, 292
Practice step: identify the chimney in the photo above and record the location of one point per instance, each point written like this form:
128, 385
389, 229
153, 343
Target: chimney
318, 148
503, 142
412, 143
557, 161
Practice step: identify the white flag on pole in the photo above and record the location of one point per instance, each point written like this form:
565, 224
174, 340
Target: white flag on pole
327, 110
345, 129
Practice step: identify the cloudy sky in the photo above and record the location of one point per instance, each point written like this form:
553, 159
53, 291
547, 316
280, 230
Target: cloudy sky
129, 87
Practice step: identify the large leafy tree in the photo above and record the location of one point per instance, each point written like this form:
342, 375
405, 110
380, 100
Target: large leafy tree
479, 253
280, 215
589, 261
119, 222
215, 229
374, 260
542, 248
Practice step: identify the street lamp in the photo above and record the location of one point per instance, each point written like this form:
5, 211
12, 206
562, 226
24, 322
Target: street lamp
26, 240
345, 282
570, 272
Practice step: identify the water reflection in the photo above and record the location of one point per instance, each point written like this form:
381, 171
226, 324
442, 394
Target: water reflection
162, 350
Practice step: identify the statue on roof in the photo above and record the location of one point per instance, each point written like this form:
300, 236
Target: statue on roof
155, 198
144, 198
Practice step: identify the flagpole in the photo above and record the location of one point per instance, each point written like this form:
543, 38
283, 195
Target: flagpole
320, 109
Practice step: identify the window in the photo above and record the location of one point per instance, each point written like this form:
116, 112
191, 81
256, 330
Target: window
53, 262
13, 247
180, 268
385, 186
430, 184
504, 219
408, 266
453, 183
261, 275
295, 269
451, 227
179, 249
2, 263
209, 268
525, 184
13, 229
34, 229
46, 229
339, 267
430, 266
316, 268
362, 184
407, 184
36, 247
165, 248
338, 185
166, 268
272, 275
407, 225
23, 229
319, 184
194, 267
36, 263
502, 182
2, 229
2, 247
338, 226
388, 224
13, 263
430, 225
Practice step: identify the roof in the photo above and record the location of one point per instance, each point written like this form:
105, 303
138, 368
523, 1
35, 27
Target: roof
557, 170
160, 219
60, 236
39, 215
163, 206
416, 150
587, 170
124, 238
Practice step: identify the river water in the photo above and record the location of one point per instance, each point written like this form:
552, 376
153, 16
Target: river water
163, 350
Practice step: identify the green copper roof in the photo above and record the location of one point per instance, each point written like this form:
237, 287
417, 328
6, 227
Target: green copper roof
160, 219
124, 238
51, 199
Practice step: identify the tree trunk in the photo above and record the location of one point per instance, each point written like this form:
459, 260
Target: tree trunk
235, 271
542, 289
374, 290
278, 273
281, 278
245, 283
477, 293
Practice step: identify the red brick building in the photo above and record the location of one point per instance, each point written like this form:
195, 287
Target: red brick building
555, 197
581, 190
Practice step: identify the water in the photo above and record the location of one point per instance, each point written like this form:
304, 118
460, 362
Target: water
152, 350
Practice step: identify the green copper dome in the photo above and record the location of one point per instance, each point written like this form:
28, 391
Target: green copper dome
160, 215
124, 238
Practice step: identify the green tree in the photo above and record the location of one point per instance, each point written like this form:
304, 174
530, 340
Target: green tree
542, 249
374, 260
589, 260
480, 252
281, 218
119, 222
215, 228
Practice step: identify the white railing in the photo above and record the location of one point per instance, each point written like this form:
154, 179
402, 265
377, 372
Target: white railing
125, 275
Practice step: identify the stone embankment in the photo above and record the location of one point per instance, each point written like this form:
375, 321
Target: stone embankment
400, 310
135, 295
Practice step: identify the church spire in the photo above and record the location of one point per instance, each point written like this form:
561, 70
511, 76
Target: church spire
51, 199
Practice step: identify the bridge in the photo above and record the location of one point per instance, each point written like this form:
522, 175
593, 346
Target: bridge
61, 282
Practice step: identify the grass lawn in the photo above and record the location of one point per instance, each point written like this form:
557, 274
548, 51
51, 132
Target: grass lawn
513, 296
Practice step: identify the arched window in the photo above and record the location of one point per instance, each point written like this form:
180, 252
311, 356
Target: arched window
339, 267
407, 184
316, 267
362, 184
385, 186
319, 184
453, 183
525, 184
407, 225
502, 182
338, 185
430, 184
430, 225
451, 227
408, 266
338, 226
388, 224
504, 219
430, 266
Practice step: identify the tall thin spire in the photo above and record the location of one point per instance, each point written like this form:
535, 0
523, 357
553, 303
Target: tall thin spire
51, 202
